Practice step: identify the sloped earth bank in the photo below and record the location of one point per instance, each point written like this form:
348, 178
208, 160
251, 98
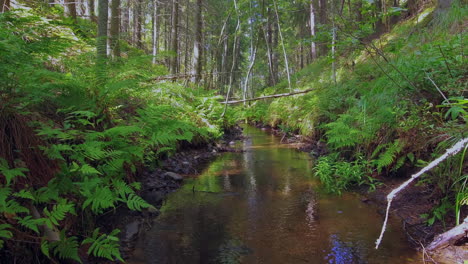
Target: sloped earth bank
408, 206
264, 206
158, 183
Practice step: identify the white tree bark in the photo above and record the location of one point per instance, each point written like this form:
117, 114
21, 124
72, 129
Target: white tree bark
333, 53
448, 153
313, 48
234, 51
282, 44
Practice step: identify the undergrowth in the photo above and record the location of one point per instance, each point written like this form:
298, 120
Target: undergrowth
73, 141
399, 102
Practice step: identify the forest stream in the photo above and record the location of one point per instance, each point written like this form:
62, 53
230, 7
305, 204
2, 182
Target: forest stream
263, 205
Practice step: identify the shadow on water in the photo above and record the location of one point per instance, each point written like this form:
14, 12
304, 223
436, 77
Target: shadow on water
264, 206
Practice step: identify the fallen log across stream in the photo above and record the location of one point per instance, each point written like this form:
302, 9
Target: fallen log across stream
268, 97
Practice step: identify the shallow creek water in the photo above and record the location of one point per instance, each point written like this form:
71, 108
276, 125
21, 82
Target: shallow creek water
264, 206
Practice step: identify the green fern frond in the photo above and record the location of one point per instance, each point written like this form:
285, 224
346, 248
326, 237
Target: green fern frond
25, 194
58, 213
99, 198
10, 173
45, 195
136, 203
122, 188
31, 223
388, 157
88, 170
66, 247
5, 233
45, 248
12, 207
4, 194
104, 246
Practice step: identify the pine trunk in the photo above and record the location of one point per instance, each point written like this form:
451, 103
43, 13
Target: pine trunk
71, 8
197, 46
102, 29
174, 34
115, 28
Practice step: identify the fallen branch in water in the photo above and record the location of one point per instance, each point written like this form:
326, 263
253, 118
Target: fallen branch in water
449, 152
268, 97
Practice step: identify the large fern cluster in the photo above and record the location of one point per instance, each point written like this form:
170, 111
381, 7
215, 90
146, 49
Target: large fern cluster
95, 130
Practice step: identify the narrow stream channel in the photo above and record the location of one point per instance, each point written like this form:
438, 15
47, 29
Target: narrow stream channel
264, 206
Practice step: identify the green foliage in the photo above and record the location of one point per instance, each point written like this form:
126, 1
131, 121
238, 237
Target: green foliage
337, 176
65, 248
96, 133
388, 156
104, 246
10, 173
5, 233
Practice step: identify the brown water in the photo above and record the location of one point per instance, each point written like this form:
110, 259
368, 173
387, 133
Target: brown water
264, 206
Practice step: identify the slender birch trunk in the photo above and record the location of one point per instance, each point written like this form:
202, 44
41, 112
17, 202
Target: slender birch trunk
282, 44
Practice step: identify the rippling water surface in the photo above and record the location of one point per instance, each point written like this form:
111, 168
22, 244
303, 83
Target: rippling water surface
264, 206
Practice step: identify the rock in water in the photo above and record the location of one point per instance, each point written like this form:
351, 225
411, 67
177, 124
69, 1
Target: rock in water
174, 176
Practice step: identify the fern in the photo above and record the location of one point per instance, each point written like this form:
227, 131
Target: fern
30, 223
58, 213
45, 248
99, 197
388, 157
66, 247
25, 194
12, 207
136, 203
104, 246
10, 174
5, 233
122, 188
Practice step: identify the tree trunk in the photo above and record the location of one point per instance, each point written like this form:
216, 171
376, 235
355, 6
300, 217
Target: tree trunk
282, 45
333, 53
323, 18
313, 49
92, 11
115, 29
4, 5
102, 29
124, 29
234, 57
139, 24
267, 97
174, 34
197, 45
71, 8
155, 41
249, 72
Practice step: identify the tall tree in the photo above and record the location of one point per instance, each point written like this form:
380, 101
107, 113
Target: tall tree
103, 16
282, 45
4, 5
197, 45
70, 6
313, 48
92, 12
155, 35
174, 37
115, 28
